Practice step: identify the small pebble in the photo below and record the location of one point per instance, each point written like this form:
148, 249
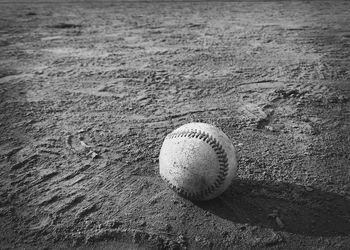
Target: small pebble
309, 189
279, 222
269, 128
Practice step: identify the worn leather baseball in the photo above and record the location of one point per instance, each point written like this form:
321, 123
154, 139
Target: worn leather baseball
198, 161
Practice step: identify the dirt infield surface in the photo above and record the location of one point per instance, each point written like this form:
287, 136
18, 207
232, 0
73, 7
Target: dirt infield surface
88, 93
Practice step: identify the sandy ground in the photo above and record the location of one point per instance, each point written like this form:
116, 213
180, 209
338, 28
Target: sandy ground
89, 92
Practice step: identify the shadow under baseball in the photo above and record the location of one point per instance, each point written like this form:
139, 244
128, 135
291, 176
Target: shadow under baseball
283, 207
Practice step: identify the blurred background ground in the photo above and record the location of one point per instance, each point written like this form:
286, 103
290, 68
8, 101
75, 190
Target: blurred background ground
88, 92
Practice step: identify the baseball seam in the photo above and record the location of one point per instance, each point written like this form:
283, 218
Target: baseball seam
222, 158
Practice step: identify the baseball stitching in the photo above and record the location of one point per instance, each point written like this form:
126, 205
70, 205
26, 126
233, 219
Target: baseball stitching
223, 162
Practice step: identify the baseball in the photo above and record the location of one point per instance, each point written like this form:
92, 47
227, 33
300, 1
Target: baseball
198, 161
